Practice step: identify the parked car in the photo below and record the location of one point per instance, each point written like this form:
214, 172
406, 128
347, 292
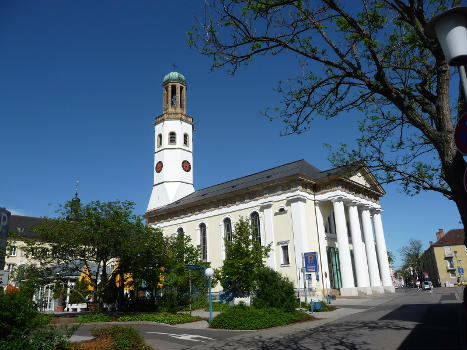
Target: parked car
427, 285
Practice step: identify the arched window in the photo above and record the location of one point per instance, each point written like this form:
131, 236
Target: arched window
254, 217
172, 138
186, 140
228, 229
203, 240
159, 140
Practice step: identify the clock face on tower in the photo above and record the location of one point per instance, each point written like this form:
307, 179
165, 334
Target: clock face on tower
159, 167
186, 165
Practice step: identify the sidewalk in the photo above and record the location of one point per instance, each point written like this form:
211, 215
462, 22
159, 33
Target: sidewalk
345, 307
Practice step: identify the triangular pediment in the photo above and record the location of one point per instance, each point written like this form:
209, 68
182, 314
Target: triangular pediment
364, 177
361, 179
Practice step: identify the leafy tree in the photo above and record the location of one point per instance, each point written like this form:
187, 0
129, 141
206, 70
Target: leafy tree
274, 290
142, 256
176, 282
80, 292
22, 326
244, 258
412, 258
94, 234
374, 58
390, 258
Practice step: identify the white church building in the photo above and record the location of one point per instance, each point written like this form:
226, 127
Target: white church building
334, 214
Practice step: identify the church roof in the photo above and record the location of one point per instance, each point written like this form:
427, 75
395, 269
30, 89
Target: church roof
297, 168
174, 76
21, 225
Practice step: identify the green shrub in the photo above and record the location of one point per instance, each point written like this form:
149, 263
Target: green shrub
199, 303
243, 317
163, 317
23, 327
94, 317
273, 291
125, 338
80, 292
218, 307
326, 307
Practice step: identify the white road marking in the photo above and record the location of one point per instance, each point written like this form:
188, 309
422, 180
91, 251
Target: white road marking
184, 336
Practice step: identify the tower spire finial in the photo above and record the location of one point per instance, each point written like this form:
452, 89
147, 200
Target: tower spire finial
175, 67
76, 188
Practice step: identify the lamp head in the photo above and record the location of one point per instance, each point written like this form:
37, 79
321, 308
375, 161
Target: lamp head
450, 28
209, 272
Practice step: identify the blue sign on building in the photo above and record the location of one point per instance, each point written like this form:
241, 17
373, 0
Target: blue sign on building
311, 261
460, 270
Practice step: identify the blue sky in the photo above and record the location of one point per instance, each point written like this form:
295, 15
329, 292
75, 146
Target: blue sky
80, 85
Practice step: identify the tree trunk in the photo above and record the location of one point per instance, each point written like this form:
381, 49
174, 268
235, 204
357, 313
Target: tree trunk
455, 179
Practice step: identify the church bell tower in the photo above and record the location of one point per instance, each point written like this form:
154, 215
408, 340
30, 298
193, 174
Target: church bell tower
173, 152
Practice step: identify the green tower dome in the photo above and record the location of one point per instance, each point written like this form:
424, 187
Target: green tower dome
174, 76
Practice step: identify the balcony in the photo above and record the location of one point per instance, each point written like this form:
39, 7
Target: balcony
448, 253
450, 268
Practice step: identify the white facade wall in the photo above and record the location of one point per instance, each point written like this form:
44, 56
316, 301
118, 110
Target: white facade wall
173, 182
289, 219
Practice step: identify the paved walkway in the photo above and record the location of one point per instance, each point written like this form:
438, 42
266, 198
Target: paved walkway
346, 307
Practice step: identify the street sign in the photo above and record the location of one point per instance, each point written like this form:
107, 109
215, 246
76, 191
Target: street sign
311, 262
195, 267
460, 134
460, 270
308, 277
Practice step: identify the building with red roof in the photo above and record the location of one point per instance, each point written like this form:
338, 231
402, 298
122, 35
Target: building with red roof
445, 260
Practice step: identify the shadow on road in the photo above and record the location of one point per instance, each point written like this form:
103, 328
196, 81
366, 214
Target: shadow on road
345, 335
437, 329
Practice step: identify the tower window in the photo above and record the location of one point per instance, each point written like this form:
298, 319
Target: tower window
173, 94
181, 97
228, 229
254, 217
159, 140
172, 138
186, 140
166, 96
203, 242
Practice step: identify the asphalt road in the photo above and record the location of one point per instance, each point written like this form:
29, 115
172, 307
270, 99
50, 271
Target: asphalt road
169, 337
409, 320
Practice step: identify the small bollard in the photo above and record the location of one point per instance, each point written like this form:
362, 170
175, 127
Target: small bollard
328, 298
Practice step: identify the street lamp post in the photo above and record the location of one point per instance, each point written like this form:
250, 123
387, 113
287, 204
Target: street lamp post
209, 273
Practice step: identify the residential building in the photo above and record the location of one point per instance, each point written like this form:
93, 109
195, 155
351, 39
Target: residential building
445, 260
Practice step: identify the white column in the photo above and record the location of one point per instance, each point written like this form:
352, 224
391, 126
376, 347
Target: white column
363, 279
375, 281
322, 247
269, 233
300, 234
345, 262
382, 253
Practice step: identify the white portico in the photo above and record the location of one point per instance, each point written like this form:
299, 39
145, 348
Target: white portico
295, 208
